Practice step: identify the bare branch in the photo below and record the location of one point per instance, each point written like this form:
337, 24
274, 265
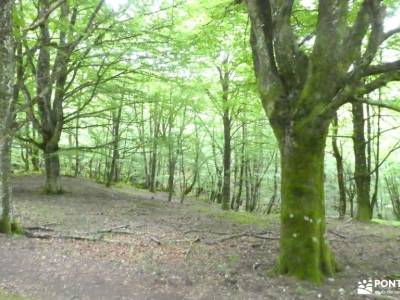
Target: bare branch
379, 104
382, 68
43, 18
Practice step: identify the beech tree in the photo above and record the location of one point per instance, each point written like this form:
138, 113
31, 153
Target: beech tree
7, 114
70, 59
301, 88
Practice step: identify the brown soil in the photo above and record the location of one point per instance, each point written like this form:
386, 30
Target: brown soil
167, 250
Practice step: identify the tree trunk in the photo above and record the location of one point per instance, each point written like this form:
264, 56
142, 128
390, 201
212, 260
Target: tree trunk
113, 172
7, 114
374, 198
304, 249
154, 155
35, 153
226, 187
77, 158
238, 198
247, 185
153, 170
340, 170
5, 186
275, 191
171, 175
172, 161
361, 174
52, 167
224, 76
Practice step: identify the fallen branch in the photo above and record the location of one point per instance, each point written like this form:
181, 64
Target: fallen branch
112, 229
46, 236
41, 228
84, 236
203, 231
243, 234
197, 239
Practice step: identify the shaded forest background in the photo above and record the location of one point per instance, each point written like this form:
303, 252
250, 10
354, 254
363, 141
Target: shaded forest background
162, 96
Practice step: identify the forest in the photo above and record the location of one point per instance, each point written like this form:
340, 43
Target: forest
226, 149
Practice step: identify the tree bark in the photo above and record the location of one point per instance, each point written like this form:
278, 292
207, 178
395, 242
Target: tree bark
304, 248
374, 198
52, 168
226, 187
7, 114
238, 198
154, 154
272, 201
77, 156
340, 170
116, 120
224, 78
35, 153
300, 92
171, 173
5, 186
361, 174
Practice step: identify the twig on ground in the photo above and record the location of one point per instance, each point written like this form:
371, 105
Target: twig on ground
337, 234
108, 230
203, 231
243, 234
155, 240
189, 250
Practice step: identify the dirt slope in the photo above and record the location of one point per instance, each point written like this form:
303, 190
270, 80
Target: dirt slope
161, 250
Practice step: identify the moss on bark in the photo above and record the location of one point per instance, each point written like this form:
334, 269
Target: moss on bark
305, 252
8, 226
5, 225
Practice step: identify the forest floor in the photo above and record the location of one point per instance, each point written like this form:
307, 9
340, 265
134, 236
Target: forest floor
121, 243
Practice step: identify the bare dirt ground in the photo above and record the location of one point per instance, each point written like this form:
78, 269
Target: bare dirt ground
136, 245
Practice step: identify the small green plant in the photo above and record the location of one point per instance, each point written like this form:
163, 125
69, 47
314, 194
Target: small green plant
233, 259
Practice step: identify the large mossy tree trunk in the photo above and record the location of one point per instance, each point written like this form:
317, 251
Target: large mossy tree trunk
301, 88
305, 252
7, 115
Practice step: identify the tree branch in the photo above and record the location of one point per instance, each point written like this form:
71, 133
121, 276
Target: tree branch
382, 68
43, 18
